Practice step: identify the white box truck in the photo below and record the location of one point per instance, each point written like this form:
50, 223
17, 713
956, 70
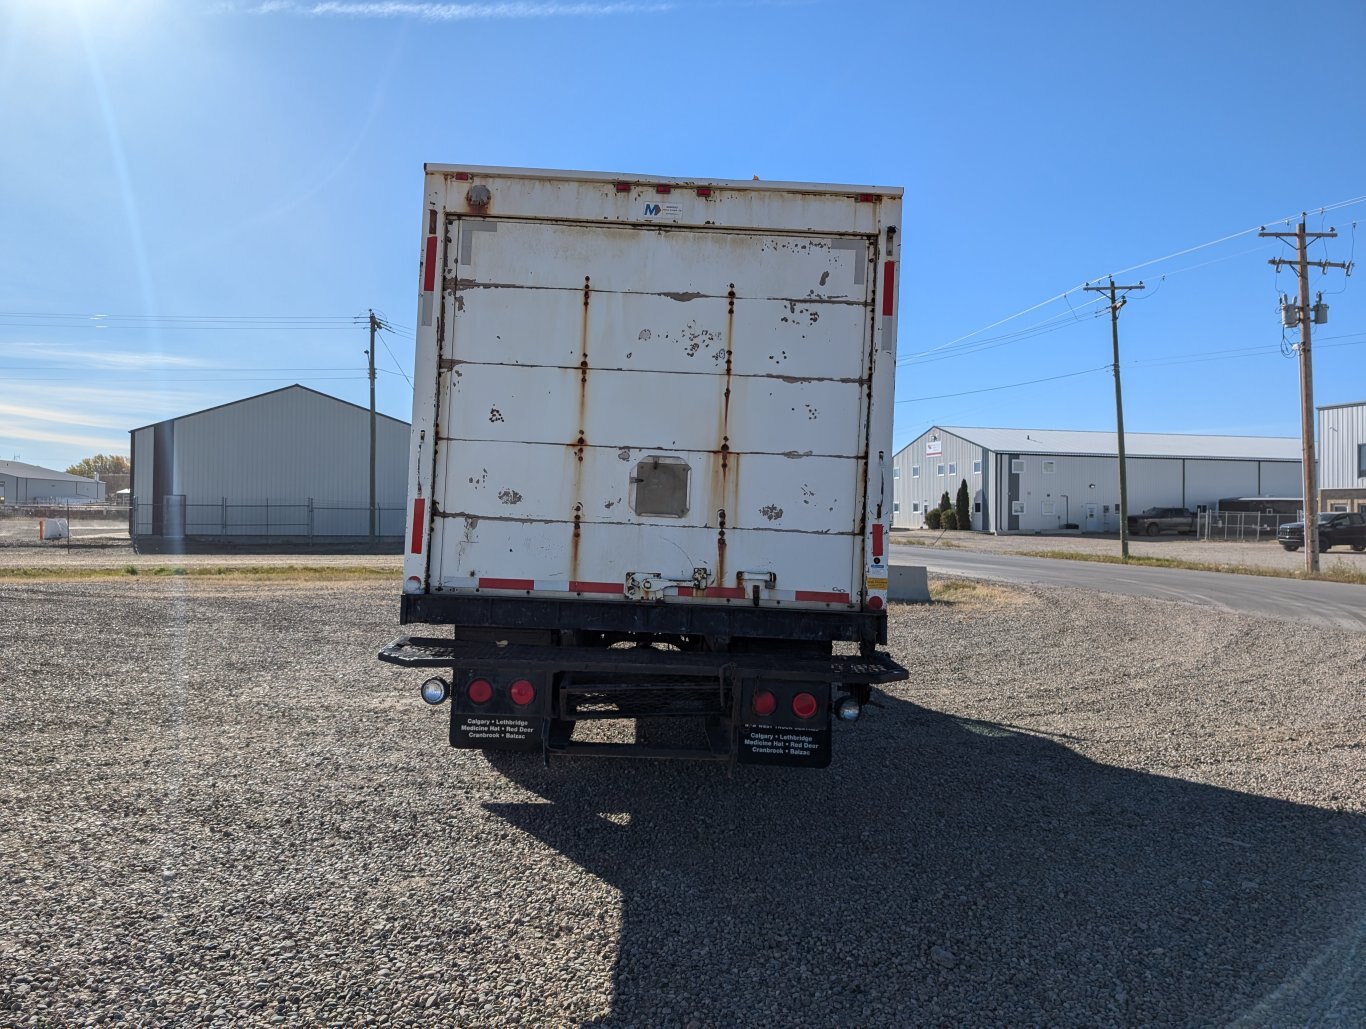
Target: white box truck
651, 466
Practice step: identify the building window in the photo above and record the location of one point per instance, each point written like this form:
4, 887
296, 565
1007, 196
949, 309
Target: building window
896, 473
953, 468
896, 508
1338, 507
1017, 507
977, 468
915, 471
1049, 467
939, 469
977, 507
1361, 460
915, 507
1017, 466
1049, 507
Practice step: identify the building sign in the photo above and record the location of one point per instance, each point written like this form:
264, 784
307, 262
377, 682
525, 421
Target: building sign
934, 447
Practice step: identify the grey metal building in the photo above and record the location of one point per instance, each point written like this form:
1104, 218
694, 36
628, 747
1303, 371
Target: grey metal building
1342, 457
1043, 480
291, 463
22, 483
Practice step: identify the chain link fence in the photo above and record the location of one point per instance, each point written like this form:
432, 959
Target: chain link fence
1241, 526
264, 518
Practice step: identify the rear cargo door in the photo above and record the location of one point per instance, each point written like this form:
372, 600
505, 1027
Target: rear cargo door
622, 401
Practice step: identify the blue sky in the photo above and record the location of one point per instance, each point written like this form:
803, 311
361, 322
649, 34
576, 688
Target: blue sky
236, 181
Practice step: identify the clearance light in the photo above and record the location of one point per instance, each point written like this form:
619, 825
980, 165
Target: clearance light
463, 176
664, 189
623, 187
522, 692
867, 198
764, 703
704, 191
435, 690
804, 705
480, 691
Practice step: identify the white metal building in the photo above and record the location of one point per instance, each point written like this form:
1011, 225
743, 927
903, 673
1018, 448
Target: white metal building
1342, 457
289, 463
22, 483
1043, 480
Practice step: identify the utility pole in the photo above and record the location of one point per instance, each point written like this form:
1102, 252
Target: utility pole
1115, 304
374, 325
1302, 313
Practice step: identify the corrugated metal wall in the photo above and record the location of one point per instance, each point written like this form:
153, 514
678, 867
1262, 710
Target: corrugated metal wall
289, 463
1342, 430
1059, 489
922, 478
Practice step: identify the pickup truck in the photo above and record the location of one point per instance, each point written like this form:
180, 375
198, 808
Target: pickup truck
651, 460
1163, 519
1336, 528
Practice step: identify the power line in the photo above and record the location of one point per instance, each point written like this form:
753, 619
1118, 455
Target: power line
1179, 253
1009, 385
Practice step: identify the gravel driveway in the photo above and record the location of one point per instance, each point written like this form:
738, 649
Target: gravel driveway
217, 807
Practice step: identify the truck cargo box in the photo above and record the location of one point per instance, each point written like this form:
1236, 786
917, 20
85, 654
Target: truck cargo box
653, 405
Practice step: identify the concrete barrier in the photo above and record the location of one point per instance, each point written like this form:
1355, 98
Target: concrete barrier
908, 583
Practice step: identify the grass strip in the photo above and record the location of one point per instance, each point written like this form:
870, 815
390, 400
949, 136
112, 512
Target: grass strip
259, 573
1335, 573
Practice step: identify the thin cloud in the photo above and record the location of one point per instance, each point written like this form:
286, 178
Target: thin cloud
442, 12
115, 442
112, 360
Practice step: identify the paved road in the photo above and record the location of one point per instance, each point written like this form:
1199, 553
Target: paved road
1335, 604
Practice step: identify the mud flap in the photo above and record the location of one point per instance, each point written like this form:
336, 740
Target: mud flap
784, 745
489, 731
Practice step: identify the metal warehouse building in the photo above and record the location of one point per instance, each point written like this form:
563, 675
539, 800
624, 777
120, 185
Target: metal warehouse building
291, 463
22, 483
1342, 457
1041, 480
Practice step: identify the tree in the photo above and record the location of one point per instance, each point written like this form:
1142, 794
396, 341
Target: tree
103, 464
961, 506
932, 517
945, 503
948, 519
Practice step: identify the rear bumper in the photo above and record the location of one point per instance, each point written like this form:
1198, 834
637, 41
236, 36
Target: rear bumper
582, 684
735, 618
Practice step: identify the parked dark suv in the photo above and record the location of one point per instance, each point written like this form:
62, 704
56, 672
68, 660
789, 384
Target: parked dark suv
1336, 528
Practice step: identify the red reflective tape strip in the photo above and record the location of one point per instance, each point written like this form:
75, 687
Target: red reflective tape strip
724, 592
877, 539
429, 269
595, 587
506, 584
419, 522
824, 598
686, 591
888, 281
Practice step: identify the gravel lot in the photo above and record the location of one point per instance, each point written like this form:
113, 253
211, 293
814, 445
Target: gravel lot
216, 807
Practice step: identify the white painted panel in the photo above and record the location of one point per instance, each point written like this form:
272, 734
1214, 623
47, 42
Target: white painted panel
1207, 482
649, 332
675, 412
545, 483
551, 401
513, 548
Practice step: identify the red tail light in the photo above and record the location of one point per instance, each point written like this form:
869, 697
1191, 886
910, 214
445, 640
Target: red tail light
764, 703
522, 692
480, 691
804, 705
623, 187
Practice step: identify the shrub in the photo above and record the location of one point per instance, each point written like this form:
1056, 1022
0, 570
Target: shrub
961, 506
945, 503
932, 518
948, 519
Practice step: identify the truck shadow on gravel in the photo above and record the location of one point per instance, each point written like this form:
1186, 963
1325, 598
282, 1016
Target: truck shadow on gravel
945, 870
